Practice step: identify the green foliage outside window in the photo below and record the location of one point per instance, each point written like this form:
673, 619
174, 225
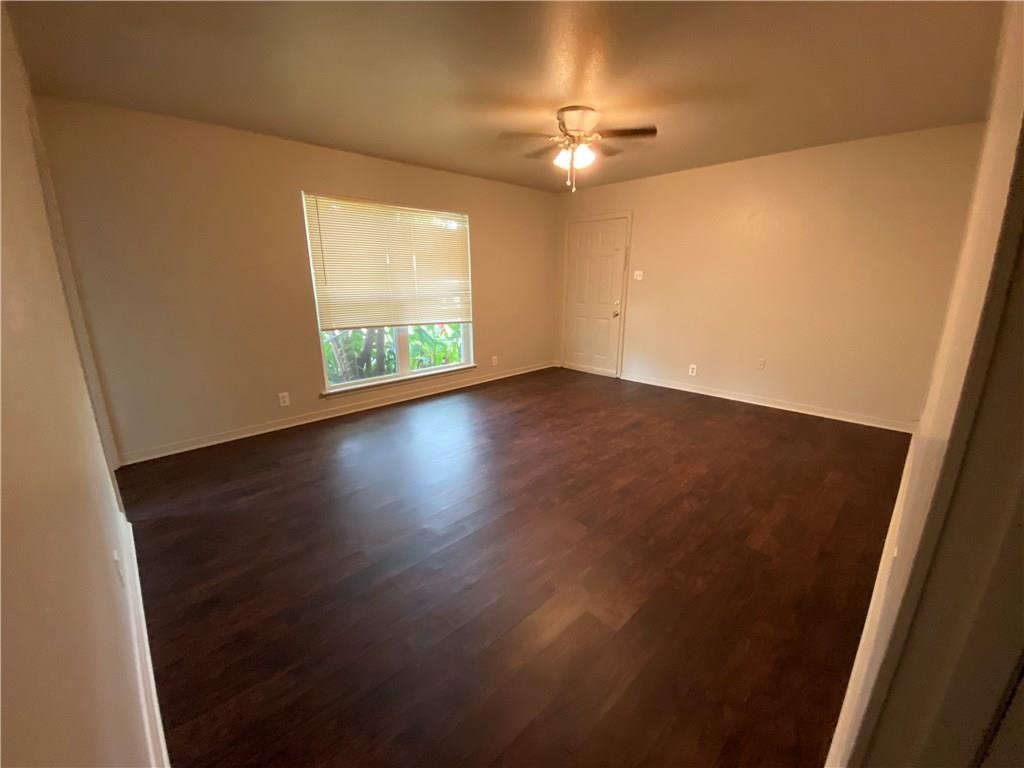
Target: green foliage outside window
363, 353
359, 353
433, 345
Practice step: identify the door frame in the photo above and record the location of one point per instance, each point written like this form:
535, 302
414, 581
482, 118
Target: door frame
624, 294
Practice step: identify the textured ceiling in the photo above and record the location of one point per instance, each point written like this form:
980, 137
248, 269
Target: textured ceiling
435, 83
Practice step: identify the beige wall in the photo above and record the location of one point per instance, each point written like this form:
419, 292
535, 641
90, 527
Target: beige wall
833, 264
188, 244
957, 496
71, 677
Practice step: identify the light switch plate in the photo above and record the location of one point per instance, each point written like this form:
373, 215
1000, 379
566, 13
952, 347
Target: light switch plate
638, 274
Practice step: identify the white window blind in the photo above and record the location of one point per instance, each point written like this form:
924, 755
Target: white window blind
382, 265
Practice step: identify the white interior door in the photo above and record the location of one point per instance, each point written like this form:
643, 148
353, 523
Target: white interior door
593, 309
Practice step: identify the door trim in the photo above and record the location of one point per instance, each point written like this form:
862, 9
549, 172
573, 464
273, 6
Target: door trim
624, 294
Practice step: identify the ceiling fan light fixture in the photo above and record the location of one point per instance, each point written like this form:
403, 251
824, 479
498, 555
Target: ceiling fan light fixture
584, 157
576, 138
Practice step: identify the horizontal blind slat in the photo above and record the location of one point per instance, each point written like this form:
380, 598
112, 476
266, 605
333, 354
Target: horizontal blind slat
379, 264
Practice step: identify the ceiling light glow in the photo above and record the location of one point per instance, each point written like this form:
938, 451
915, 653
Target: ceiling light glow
584, 157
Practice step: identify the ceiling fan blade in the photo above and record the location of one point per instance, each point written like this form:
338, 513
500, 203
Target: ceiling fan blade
538, 153
523, 135
629, 133
606, 149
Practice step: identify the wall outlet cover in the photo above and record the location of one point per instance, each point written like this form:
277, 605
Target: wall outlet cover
693, 369
284, 399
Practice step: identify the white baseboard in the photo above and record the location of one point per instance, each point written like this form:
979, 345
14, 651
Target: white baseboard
447, 385
425, 389
784, 405
588, 369
156, 744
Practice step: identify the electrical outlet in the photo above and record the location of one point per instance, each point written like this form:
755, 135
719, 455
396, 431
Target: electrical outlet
494, 359
693, 369
762, 363
638, 274
284, 399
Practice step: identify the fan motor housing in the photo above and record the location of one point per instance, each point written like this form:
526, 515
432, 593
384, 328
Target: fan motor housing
578, 120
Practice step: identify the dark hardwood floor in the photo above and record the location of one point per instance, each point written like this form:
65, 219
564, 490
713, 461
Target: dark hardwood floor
555, 569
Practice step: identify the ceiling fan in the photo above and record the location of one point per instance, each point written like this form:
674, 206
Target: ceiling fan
577, 139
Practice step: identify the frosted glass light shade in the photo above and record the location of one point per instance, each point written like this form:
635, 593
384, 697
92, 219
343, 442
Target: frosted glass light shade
584, 156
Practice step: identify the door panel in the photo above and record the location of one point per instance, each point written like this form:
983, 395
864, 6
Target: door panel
597, 260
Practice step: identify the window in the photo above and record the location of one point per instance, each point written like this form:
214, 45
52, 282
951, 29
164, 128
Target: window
393, 290
355, 354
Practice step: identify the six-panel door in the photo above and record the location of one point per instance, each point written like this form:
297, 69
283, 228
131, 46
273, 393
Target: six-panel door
593, 313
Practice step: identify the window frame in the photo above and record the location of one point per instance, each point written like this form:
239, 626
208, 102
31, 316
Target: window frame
401, 331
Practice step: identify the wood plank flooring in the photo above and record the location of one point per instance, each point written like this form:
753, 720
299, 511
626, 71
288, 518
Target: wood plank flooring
555, 569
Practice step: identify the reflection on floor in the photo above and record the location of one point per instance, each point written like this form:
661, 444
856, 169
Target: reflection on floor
547, 570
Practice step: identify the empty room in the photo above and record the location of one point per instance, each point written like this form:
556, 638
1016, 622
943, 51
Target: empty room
512, 384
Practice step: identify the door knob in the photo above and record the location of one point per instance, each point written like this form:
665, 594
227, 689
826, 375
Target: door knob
615, 313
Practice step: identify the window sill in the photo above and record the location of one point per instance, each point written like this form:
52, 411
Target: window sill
388, 381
